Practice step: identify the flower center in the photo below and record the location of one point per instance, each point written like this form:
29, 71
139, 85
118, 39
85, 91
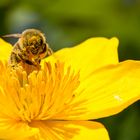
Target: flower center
39, 95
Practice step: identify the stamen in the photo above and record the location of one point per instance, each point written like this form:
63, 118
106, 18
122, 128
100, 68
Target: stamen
40, 95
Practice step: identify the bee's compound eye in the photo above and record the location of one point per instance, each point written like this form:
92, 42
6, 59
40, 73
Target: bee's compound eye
39, 41
44, 47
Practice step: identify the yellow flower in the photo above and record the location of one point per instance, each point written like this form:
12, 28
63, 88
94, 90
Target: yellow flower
74, 85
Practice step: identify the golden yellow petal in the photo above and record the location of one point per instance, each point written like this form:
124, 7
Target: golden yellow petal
16, 130
105, 92
71, 130
89, 55
5, 50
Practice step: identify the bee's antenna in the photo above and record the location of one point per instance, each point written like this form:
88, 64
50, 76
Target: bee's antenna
13, 35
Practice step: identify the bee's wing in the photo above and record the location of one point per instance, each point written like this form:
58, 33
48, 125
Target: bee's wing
13, 35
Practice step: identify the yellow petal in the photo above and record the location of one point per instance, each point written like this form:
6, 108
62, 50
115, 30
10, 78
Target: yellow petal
5, 50
16, 130
105, 92
89, 55
71, 130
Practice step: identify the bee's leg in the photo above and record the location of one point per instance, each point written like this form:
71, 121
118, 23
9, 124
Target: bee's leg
14, 59
49, 50
46, 51
29, 62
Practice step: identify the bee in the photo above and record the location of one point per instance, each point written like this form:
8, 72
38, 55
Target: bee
30, 48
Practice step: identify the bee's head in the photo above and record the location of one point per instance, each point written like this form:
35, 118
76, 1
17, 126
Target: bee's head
34, 40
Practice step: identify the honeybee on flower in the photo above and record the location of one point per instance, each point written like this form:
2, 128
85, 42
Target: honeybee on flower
58, 101
30, 48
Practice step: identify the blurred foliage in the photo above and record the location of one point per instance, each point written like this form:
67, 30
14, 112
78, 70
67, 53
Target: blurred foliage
67, 23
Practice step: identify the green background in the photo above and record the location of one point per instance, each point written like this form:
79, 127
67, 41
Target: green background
69, 22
